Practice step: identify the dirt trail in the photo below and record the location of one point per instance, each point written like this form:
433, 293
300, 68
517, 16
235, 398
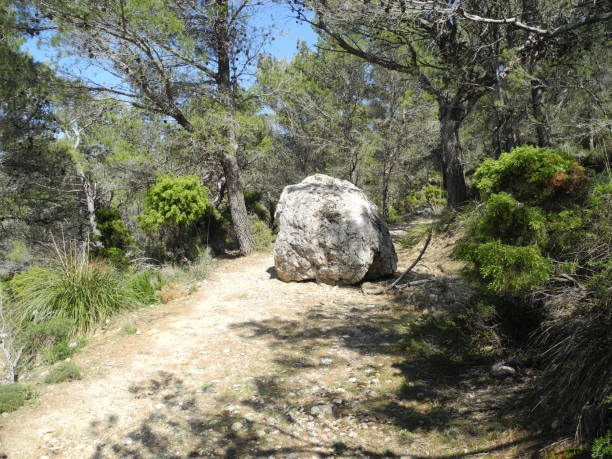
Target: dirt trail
248, 366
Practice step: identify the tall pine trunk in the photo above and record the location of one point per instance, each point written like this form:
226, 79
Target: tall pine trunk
451, 117
235, 193
229, 161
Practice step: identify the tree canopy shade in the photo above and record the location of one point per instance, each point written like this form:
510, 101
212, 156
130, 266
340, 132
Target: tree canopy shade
457, 51
182, 59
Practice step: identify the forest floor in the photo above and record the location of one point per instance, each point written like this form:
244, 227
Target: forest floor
249, 366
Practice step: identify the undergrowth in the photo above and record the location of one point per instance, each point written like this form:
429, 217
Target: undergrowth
191, 271
463, 335
51, 339
64, 371
538, 249
264, 238
414, 235
13, 396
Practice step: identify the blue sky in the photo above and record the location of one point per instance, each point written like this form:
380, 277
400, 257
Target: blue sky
277, 17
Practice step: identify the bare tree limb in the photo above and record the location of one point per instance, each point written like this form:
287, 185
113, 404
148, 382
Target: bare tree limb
584, 20
404, 274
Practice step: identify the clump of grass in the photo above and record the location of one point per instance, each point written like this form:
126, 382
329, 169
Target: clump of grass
128, 329
193, 271
201, 267
64, 371
12, 396
142, 285
206, 386
74, 288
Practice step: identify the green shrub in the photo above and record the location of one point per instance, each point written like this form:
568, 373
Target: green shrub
393, 216
565, 229
538, 213
599, 211
19, 252
264, 238
175, 202
601, 197
434, 196
64, 371
202, 265
412, 202
506, 220
115, 237
510, 241
507, 269
113, 255
12, 396
51, 335
114, 232
75, 288
531, 174
602, 447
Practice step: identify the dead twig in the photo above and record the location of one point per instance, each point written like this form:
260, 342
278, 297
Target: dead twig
404, 274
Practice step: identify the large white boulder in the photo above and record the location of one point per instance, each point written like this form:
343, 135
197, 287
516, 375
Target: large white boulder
330, 232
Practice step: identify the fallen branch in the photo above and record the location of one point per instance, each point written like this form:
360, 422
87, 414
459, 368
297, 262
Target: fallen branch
426, 281
404, 274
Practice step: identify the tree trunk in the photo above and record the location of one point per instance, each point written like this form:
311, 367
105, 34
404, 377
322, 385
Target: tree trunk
90, 201
353, 172
452, 169
542, 128
385, 197
235, 192
531, 15
389, 158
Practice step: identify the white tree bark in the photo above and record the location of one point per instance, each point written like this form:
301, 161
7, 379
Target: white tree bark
12, 349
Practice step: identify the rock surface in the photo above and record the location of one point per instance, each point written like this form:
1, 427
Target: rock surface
322, 410
499, 370
330, 232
